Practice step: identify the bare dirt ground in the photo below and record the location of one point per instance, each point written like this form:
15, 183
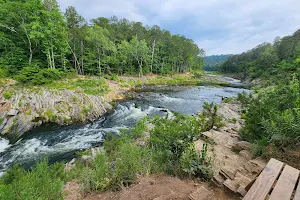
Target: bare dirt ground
161, 188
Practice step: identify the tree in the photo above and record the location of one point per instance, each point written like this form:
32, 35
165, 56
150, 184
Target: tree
75, 24
98, 38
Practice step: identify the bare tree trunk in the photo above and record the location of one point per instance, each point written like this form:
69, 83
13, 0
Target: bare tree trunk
99, 61
49, 59
82, 70
29, 42
153, 48
74, 55
53, 61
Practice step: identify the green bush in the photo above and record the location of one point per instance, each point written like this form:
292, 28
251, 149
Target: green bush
175, 134
95, 177
35, 76
7, 95
42, 182
196, 163
273, 117
4, 72
209, 117
128, 163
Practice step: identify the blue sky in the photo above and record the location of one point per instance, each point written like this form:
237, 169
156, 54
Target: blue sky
217, 26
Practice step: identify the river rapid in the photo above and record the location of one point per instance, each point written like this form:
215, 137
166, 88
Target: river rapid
60, 143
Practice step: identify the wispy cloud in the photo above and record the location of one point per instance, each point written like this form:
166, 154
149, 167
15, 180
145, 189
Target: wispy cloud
218, 26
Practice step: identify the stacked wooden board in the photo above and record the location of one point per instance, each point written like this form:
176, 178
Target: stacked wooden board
276, 182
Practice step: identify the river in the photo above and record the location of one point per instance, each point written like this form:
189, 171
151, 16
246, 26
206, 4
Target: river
60, 143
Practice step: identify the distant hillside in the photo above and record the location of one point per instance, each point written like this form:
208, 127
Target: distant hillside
212, 63
279, 60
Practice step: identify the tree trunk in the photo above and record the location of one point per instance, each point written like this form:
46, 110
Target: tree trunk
49, 59
30, 45
99, 61
53, 61
153, 48
63, 62
74, 55
82, 70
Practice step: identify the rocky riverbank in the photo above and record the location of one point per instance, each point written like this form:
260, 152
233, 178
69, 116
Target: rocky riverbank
26, 109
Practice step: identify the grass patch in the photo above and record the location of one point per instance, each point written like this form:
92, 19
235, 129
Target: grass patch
88, 86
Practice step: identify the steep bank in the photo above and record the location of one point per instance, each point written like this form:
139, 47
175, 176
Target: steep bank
26, 109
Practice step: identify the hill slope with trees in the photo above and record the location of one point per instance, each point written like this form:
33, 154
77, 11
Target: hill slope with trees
279, 59
213, 62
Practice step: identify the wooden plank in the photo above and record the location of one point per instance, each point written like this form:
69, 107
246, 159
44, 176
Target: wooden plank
265, 181
284, 188
297, 194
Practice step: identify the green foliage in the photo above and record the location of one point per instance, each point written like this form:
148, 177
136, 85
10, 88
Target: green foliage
42, 182
196, 163
172, 142
35, 76
272, 117
209, 117
174, 135
35, 33
96, 176
228, 100
7, 95
233, 120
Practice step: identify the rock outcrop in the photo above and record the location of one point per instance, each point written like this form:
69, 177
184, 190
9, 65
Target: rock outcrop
27, 109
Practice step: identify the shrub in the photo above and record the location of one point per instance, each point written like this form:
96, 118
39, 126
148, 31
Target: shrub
273, 117
128, 163
7, 95
95, 177
35, 76
42, 182
209, 117
174, 135
4, 72
196, 163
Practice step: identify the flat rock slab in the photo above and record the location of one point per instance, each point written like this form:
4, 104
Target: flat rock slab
228, 172
202, 194
255, 166
246, 154
12, 112
219, 179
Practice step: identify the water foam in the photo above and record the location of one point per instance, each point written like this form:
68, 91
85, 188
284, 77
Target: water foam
4, 144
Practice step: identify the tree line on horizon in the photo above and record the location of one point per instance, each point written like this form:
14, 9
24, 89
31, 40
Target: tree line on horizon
35, 37
268, 59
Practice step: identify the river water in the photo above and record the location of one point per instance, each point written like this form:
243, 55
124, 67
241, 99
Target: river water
59, 143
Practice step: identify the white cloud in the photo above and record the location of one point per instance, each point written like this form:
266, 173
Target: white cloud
218, 26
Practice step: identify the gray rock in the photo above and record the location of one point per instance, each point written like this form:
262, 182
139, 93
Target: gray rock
13, 112
3, 123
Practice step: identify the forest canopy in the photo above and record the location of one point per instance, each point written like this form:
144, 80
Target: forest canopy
37, 38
